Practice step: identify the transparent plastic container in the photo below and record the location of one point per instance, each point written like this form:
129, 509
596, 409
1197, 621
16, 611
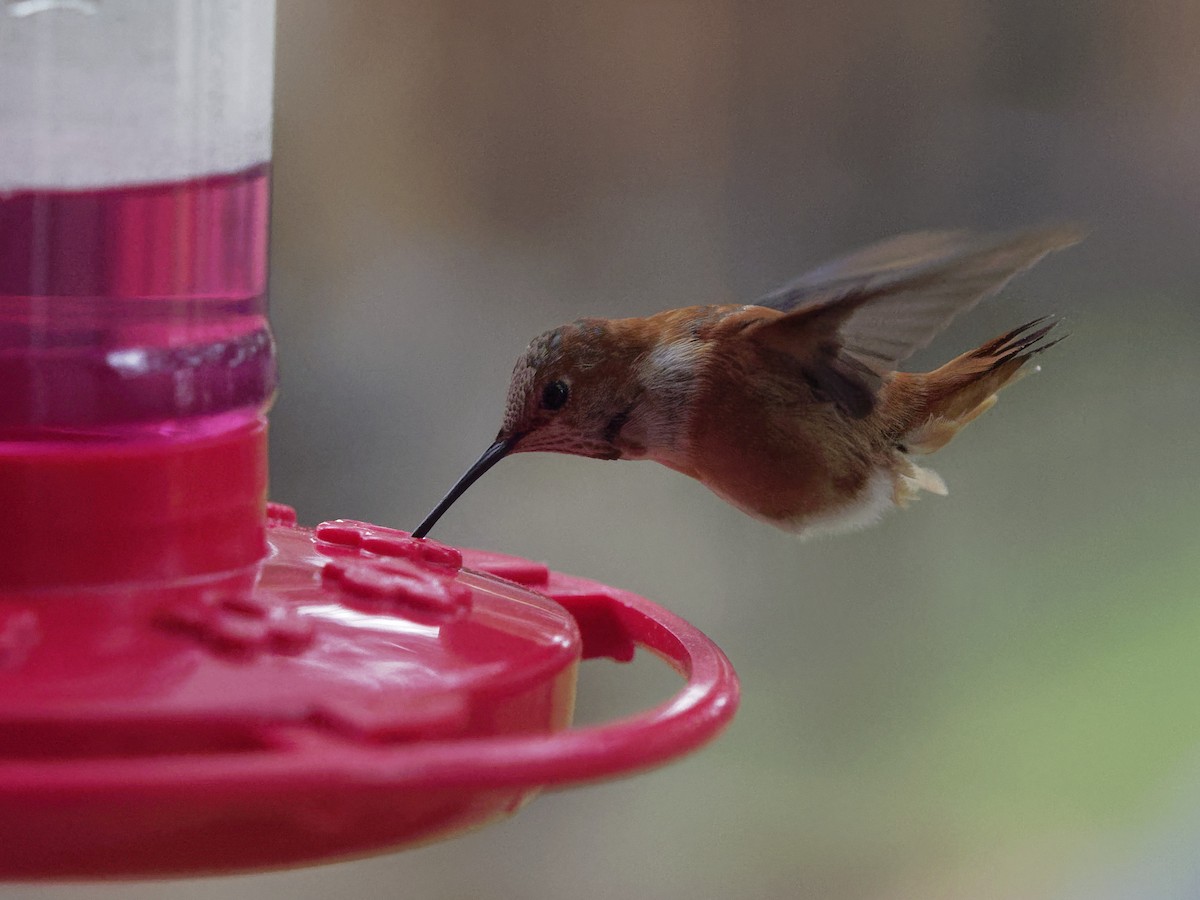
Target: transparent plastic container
133, 218
134, 192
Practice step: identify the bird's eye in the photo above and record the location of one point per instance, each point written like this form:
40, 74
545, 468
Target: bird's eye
555, 394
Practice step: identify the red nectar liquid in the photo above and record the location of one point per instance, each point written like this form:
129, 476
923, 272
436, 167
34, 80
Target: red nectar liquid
135, 313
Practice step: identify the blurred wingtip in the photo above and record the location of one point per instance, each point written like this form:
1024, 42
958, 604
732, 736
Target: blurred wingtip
1054, 236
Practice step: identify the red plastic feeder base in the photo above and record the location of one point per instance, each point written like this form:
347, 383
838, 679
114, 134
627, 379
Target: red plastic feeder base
357, 691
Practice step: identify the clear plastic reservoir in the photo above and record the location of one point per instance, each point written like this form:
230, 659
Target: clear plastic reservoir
134, 191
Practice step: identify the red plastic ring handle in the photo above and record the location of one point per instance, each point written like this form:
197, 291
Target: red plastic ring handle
612, 622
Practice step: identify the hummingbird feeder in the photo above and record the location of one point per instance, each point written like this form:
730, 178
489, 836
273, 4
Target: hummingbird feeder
190, 682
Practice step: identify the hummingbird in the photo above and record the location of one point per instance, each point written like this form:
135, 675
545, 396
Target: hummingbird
791, 408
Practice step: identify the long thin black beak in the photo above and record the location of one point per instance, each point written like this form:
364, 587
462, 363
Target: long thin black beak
491, 456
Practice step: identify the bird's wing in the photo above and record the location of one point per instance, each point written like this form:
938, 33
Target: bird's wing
852, 321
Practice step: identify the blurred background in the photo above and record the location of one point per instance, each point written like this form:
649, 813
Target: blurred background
990, 695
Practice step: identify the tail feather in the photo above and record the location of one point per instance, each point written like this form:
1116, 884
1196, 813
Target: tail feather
964, 388
1020, 339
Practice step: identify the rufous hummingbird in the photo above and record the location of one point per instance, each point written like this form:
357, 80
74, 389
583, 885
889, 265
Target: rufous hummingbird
791, 408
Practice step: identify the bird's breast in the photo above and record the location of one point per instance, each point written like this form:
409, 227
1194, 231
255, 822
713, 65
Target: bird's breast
768, 447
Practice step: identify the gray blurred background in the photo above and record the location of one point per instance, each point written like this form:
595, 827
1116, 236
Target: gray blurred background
991, 695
